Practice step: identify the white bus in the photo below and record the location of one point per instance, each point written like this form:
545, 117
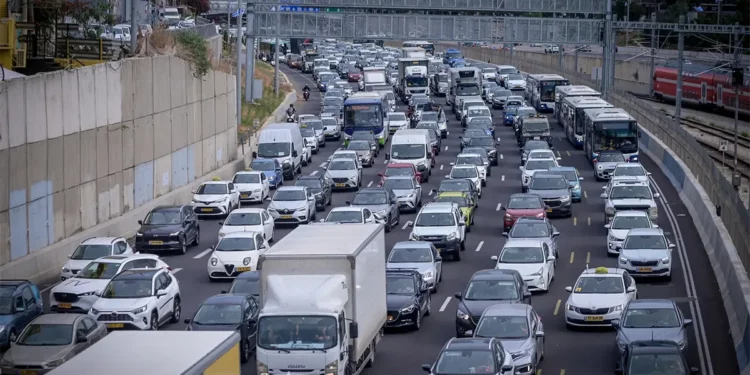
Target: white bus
427, 46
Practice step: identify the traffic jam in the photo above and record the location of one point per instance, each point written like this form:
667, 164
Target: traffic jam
414, 206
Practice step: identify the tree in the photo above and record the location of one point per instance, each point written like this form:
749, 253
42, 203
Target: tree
198, 6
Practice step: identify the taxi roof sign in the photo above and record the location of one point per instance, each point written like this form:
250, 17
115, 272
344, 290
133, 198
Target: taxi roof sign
601, 270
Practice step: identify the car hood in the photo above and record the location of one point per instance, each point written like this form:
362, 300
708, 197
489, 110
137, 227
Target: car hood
419, 267
213, 327
530, 173
33, 354
644, 254
269, 174
208, 198
77, 264
525, 269
342, 173
557, 193
397, 302
515, 82
596, 300
363, 153
78, 286
476, 307
240, 228
607, 165
647, 334
159, 229
248, 187
287, 205
235, 256
331, 109
403, 193
431, 231
619, 233
374, 208
120, 304
397, 123
632, 202
516, 345
524, 212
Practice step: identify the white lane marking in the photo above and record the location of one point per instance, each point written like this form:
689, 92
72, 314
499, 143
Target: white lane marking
445, 304
498, 139
479, 247
203, 253
174, 271
447, 133
499, 206
558, 154
446, 148
322, 165
370, 184
502, 178
406, 224
430, 193
441, 167
385, 161
313, 173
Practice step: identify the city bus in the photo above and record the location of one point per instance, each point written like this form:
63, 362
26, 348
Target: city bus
309, 61
609, 129
450, 55
572, 118
541, 88
562, 92
365, 111
427, 46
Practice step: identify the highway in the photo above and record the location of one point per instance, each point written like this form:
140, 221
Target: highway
582, 241
635, 53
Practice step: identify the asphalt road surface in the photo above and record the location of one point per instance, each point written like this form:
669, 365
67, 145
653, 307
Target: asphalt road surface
582, 241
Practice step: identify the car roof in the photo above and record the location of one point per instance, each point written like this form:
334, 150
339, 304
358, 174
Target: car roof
248, 172
100, 240
372, 190
469, 343
291, 188
218, 182
602, 271
401, 271
15, 283
450, 194
526, 219
525, 195
629, 165
654, 347
348, 208
631, 213
138, 274
646, 232
652, 304
508, 309
400, 165
493, 274
465, 166
548, 175
524, 242
224, 299
251, 210
562, 168
437, 207
122, 258
412, 244
310, 177
244, 234
57, 318
166, 208
469, 154
408, 178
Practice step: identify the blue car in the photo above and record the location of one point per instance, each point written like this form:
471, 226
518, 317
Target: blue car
508, 119
271, 168
574, 180
20, 303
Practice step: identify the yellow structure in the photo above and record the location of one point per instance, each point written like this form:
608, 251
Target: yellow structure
11, 55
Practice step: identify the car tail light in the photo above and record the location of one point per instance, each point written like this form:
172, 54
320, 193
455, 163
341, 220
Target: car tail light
169, 268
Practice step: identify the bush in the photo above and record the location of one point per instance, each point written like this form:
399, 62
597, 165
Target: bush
195, 51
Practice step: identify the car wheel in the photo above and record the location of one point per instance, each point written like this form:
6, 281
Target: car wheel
468, 226
457, 257
176, 310
435, 289
418, 321
463, 245
184, 244
330, 200
388, 224
197, 239
154, 323
428, 311
12, 336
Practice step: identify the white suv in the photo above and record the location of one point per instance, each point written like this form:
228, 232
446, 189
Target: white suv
647, 252
141, 298
91, 249
216, 198
621, 224
292, 205
629, 195
531, 167
442, 224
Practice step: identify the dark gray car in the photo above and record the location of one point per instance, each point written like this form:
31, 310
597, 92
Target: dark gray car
531, 146
652, 319
383, 203
554, 191
320, 186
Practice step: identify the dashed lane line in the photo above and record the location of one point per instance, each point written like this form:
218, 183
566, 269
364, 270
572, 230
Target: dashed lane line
501, 156
174, 271
441, 167
313, 173
446, 148
557, 307
385, 161
567, 153
499, 206
589, 220
406, 224
479, 247
575, 221
203, 253
588, 258
585, 194
370, 184
502, 178
572, 256
445, 304
430, 193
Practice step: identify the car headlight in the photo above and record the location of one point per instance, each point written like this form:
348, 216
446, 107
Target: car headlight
613, 238
428, 275
421, 163
624, 260
522, 353
256, 191
576, 187
599, 167
617, 308
570, 307
91, 293
94, 311
262, 368
214, 261
65, 270
5, 363
175, 233
452, 236
538, 273
139, 310
413, 237
246, 261
196, 201
621, 343
408, 309
55, 363
271, 177
653, 211
301, 209
332, 368
665, 261
492, 152
609, 210
271, 209
565, 198
681, 343
138, 234
462, 315
286, 161
353, 177
411, 195
221, 200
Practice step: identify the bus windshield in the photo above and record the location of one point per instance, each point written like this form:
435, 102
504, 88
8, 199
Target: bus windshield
363, 115
547, 89
620, 136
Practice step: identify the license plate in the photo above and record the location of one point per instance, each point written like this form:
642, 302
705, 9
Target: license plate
594, 318
340, 185
207, 209
536, 138
243, 269
549, 210
286, 216
64, 306
645, 269
244, 196
390, 318
156, 242
115, 325
27, 372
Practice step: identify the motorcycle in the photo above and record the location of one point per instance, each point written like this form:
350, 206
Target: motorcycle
306, 95
290, 118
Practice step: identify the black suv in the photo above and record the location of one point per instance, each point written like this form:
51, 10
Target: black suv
488, 144
168, 228
321, 187
472, 355
656, 355
407, 297
487, 288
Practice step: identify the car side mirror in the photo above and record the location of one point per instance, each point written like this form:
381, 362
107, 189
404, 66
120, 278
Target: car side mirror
427, 368
687, 322
494, 258
654, 226
221, 222
438, 259
294, 153
140, 222
224, 292
161, 292
539, 333
268, 198
457, 295
672, 246
452, 163
20, 309
497, 143
81, 339
348, 203
569, 289
461, 223
607, 226
380, 175
551, 258
555, 234
695, 370
448, 176
387, 156
322, 220
254, 155
353, 330
631, 289
657, 195
187, 321
580, 178
615, 323
505, 234
506, 368
504, 208
520, 168
603, 196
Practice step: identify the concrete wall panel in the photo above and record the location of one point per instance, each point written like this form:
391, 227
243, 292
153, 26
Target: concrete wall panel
177, 83
194, 160
144, 183
88, 156
127, 82
72, 160
4, 126
4, 233
193, 86
53, 92
232, 108
87, 97
143, 79
114, 148
4, 182
16, 112
102, 152
102, 199
221, 113
232, 143
221, 148
162, 86
18, 232
56, 164
208, 88
208, 117
128, 189
162, 134
195, 125
39, 223
114, 93
71, 108
220, 82
128, 144
36, 171
179, 168
209, 155
88, 204
179, 135
115, 194
72, 210
143, 140
100, 95
162, 175
17, 176
57, 218
36, 109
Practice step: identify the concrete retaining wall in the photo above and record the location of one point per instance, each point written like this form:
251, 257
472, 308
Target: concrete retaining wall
80, 149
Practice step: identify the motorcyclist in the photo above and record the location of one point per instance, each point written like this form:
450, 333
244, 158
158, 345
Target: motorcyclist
291, 111
306, 88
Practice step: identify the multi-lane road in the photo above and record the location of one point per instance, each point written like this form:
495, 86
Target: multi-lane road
582, 242
636, 53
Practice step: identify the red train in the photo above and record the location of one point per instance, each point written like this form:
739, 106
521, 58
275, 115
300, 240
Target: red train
712, 89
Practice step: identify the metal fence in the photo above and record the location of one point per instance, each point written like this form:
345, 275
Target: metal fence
206, 31
734, 215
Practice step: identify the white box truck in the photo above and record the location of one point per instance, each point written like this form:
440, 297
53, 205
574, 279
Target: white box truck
323, 300
372, 76
412, 76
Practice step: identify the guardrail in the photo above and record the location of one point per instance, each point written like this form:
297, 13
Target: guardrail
87, 49
206, 31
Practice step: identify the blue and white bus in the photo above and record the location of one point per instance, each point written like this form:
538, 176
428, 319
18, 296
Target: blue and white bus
571, 116
425, 45
610, 129
541, 88
562, 92
365, 111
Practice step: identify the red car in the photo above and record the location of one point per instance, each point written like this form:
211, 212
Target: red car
354, 76
523, 205
400, 169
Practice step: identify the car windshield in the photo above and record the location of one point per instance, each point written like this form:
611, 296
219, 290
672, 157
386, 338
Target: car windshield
91, 252
162, 217
273, 150
479, 111
289, 195
470, 160
511, 108
396, 116
242, 219
488, 70
647, 242
482, 141
46, 335
429, 116
464, 173
541, 154
99, 270
491, 290
513, 254
630, 192
359, 146
569, 175
335, 102
399, 171
535, 145
328, 121
411, 255
455, 185
128, 288
236, 244
263, 165
246, 178
549, 183
536, 126
310, 183
530, 230
631, 222
599, 285
307, 132
435, 219
212, 189
480, 121
650, 318
467, 90
399, 184
370, 198
611, 157
218, 314
475, 133
504, 327
291, 332
400, 285
341, 165
460, 201
515, 77
317, 124
629, 172
524, 112
348, 217
362, 136
459, 362
245, 286
533, 165
661, 364
524, 203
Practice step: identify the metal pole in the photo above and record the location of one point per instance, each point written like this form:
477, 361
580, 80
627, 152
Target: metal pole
134, 29
276, 66
653, 62
627, 18
250, 54
605, 49
560, 56
736, 178
718, 15
612, 59
229, 26
575, 60
239, 61
512, 47
680, 62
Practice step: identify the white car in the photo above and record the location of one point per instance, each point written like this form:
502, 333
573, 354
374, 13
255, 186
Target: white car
344, 174
397, 121
140, 298
331, 128
515, 82
442, 224
78, 293
253, 186
467, 172
248, 220
235, 253
628, 195
310, 139
647, 252
292, 205
621, 224
488, 74
216, 198
632, 171
542, 154
598, 297
475, 160
532, 258
350, 215
93, 248
531, 167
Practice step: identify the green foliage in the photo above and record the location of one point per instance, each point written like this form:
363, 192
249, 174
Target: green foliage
196, 52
